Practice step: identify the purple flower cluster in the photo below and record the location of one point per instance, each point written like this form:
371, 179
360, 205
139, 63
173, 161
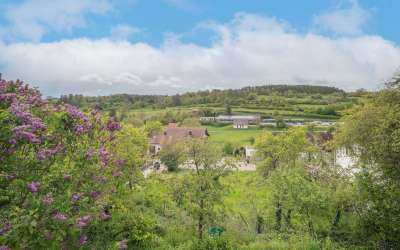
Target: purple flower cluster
105, 216
83, 126
76, 197
24, 132
84, 221
7, 227
44, 154
59, 216
3, 247
30, 125
94, 194
90, 154
74, 112
123, 244
83, 240
48, 199
104, 155
113, 125
8, 97
34, 187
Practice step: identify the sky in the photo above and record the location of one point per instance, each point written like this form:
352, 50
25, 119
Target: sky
101, 47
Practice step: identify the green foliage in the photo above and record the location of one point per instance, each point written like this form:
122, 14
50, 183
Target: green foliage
213, 243
170, 156
228, 148
372, 134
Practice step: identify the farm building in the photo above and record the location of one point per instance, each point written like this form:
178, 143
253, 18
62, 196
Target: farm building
241, 123
252, 119
172, 134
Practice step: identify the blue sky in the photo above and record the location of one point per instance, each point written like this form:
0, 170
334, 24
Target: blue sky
99, 47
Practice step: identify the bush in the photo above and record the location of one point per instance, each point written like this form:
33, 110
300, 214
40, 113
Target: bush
228, 148
213, 243
170, 157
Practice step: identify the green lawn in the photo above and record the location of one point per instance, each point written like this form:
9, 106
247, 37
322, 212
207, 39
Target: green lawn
235, 136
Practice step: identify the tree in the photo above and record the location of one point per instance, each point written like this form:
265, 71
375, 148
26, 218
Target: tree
152, 127
371, 134
281, 150
191, 122
280, 122
170, 157
228, 109
201, 188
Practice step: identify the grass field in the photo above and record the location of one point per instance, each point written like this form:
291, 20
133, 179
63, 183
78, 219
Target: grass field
235, 136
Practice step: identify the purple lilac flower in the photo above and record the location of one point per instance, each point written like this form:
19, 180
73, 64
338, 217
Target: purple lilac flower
74, 112
76, 197
34, 186
94, 194
48, 199
8, 97
24, 132
90, 154
119, 163
7, 227
113, 125
27, 118
105, 216
84, 221
79, 129
44, 154
123, 244
117, 173
3, 247
103, 154
83, 240
59, 216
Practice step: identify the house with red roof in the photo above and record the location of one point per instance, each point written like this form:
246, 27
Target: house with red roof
172, 134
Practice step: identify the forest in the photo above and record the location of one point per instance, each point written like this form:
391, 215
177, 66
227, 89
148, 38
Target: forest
71, 172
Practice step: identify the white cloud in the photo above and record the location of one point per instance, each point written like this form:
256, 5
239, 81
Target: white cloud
250, 50
34, 18
123, 32
347, 21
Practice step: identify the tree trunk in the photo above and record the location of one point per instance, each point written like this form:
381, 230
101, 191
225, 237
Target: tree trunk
336, 220
288, 218
278, 216
200, 225
259, 224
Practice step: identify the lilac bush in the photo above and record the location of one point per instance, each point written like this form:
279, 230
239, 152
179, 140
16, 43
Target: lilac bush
59, 174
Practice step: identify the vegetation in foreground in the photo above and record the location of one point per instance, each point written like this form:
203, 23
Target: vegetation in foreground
73, 180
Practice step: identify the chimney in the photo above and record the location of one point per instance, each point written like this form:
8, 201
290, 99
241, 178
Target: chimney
172, 125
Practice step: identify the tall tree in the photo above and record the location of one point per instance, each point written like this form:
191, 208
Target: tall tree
201, 188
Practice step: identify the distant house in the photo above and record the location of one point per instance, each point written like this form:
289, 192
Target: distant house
249, 152
172, 134
241, 123
251, 119
238, 121
207, 119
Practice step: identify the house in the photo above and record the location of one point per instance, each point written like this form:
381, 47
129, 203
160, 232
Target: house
241, 123
249, 152
172, 134
252, 119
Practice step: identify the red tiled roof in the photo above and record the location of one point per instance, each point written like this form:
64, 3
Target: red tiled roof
172, 134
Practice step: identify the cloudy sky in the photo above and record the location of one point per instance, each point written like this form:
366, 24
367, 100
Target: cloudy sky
99, 47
